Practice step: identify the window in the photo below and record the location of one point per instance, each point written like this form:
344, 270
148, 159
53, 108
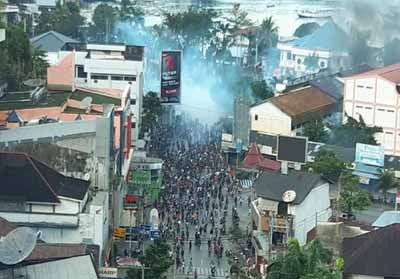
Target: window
322, 64
133, 125
80, 72
369, 87
359, 107
133, 102
299, 61
369, 108
129, 78
256, 117
360, 86
289, 56
100, 77
389, 110
117, 78
381, 109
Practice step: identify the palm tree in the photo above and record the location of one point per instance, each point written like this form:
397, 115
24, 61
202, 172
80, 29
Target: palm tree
266, 32
387, 181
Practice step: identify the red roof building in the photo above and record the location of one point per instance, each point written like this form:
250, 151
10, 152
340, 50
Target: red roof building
255, 160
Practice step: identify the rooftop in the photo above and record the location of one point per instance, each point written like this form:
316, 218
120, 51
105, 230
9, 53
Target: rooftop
97, 98
304, 104
254, 159
272, 185
375, 253
51, 41
13, 101
387, 218
390, 73
329, 37
40, 183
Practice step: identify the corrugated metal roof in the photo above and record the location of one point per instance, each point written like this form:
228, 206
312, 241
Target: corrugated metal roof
51, 41
77, 268
387, 218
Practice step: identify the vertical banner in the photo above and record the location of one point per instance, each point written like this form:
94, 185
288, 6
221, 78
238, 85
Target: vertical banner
171, 77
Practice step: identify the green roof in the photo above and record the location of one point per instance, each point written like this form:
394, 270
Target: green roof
97, 99
23, 101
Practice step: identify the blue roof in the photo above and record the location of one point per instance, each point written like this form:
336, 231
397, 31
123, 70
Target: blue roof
328, 37
387, 218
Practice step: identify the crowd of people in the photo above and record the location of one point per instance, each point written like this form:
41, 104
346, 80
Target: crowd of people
198, 190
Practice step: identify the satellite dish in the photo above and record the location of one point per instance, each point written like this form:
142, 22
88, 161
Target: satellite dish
289, 196
86, 102
17, 245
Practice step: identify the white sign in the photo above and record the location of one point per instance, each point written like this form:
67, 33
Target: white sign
370, 154
108, 272
154, 219
289, 196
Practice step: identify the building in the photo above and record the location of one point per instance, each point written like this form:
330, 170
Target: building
241, 119
51, 43
326, 48
372, 255
2, 34
274, 220
373, 95
287, 114
102, 67
9, 14
58, 206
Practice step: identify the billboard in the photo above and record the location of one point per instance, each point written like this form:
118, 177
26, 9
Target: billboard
171, 76
141, 177
108, 272
292, 149
370, 154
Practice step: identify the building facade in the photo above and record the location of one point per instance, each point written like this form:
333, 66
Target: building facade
374, 96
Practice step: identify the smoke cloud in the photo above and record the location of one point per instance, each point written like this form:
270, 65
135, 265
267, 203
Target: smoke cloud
204, 95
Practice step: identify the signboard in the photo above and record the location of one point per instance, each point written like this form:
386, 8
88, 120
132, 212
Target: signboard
370, 154
154, 234
238, 145
289, 196
292, 149
171, 77
154, 219
141, 177
119, 232
108, 272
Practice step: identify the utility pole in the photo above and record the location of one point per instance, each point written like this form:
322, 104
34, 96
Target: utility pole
143, 192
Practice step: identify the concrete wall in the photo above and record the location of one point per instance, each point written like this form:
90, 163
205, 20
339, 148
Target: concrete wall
270, 120
314, 209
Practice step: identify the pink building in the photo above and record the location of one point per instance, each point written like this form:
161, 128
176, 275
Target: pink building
374, 95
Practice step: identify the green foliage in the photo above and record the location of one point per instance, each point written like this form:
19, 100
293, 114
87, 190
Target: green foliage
151, 110
267, 34
387, 181
65, 19
130, 11
311, 62
352, 197
354, 132
261, 90
315, 131
104, 19
156, 261
310, 262
39, 64
238, 18
306, 29
391, 52
328, 165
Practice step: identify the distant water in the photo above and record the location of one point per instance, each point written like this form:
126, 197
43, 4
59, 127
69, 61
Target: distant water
283, 11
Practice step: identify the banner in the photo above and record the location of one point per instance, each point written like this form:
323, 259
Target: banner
140, 177
171, 77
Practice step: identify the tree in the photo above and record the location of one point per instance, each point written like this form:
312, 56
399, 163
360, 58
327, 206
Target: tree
391, 52
360, 53
238, 18
352, 197
130, 11
104, 19
311, 62
315, 130
310, 262
261, 90
156, 260
65, 19
151, 110
306, 29
267, 34
387, 181
353, 132
39, 64
328, 165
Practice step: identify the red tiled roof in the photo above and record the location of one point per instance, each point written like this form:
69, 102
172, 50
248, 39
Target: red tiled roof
390, 73
255, 159
6, 227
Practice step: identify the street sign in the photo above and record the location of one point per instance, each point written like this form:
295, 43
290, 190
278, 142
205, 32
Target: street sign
154, 234
108, 272
141, 177
119, 232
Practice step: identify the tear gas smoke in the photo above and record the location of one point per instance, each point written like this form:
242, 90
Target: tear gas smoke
204, 95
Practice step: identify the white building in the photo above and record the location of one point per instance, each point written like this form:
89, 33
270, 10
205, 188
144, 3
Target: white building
2, 34
328, 45
374, 96
47, 201
274, 220
287, 114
